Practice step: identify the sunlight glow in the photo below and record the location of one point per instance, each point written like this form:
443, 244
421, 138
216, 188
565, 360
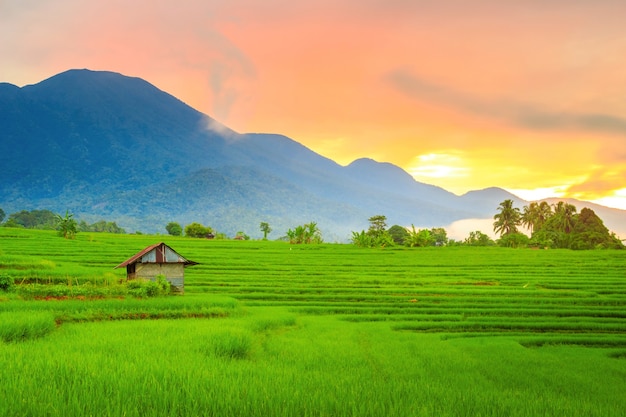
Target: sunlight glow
539, 193
438, 165
617, 200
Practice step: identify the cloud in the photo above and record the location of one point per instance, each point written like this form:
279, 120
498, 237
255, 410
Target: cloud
509, 111
460, 229
600, 183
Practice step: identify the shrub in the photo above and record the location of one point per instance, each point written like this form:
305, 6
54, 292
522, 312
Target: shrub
143, 288
514, 240
7, 283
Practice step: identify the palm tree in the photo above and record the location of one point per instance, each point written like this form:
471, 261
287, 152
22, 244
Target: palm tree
529, 216
535, 215
507, 220
564, 214
544, 212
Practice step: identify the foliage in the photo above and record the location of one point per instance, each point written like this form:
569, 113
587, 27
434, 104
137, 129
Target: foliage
197, 230
266, 229
240, 235
377, 234
34, 219
589, 232
535, 215
514, 240
100, 226
418, 238
507, 219
305, 234
398, 234
2, 215
378, 226
439, 236
7, 283
143, 288
362, 239
66, 226
567, 229
478, 238
174, 229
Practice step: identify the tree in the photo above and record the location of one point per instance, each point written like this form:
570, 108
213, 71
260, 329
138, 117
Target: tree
398, 234
362, 239
377, 234
378, 225
478, 238
266, 229
308, 233
544, 212
514, 240
508, 218
378, 231
589, 232
197, 230
418, 238
564, 214
529, 216
174, 229
34, 219
2, 215
439, 235
66, 226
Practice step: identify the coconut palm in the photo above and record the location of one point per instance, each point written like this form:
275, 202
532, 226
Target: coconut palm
508, 218
565, 215
529, 216
544, 212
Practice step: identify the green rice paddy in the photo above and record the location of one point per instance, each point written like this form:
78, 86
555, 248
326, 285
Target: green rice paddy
268, 328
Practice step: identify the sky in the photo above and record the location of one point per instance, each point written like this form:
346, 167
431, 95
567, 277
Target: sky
528, 96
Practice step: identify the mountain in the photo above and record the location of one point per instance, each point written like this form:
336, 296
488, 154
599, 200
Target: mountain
106, 146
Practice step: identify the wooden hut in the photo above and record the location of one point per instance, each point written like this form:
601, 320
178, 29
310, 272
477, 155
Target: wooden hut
158, 259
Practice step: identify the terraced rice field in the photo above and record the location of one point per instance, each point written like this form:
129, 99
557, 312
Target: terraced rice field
538, 296
317, 331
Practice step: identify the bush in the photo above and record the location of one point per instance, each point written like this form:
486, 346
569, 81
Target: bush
7, 283
143, 288
514, 240
198, 230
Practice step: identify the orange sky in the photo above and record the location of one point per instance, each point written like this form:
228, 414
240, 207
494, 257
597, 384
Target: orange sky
529, 96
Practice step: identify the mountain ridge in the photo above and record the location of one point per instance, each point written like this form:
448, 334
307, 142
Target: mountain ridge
104, 145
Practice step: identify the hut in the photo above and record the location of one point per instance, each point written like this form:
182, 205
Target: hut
155, 260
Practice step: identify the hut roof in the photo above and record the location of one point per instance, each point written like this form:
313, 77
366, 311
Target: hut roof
157, 253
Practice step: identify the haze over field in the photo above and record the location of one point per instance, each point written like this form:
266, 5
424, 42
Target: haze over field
465, 95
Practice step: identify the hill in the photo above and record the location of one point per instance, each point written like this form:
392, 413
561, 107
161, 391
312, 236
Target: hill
104, 145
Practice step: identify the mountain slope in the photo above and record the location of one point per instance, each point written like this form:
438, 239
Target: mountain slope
104, 145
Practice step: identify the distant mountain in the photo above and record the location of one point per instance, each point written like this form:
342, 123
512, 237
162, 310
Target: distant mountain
107, 146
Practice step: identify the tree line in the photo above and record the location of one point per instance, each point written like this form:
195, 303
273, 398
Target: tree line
48, 220
308, 233
550, 226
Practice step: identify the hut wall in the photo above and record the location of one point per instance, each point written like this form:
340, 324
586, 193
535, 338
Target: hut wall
174, 273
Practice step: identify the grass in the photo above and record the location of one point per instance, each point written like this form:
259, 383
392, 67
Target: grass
265, 328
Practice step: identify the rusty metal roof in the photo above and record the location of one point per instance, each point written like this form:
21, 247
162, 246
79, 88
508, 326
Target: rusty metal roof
160, 250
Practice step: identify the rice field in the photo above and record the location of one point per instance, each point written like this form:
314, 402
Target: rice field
268, 328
